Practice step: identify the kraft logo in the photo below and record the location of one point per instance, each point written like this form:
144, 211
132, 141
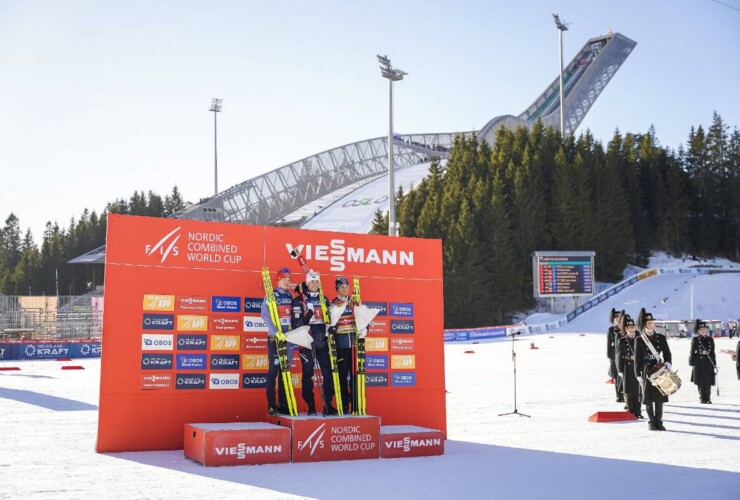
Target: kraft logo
159, 322
402, 310
91, 350
382, 306
254, 324
154, 342
164, 247
338, 254
225, 304
403, 379
376, 362
192, 342
190, 381
191, 361
376, 379
252, 304
223, 381
314, 441
225, 362
402, 326
156, 361
254, 381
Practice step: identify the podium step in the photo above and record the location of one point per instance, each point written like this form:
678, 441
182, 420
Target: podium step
397, 441
238, 443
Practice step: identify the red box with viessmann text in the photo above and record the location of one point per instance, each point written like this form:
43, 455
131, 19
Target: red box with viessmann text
397, 441
238, 443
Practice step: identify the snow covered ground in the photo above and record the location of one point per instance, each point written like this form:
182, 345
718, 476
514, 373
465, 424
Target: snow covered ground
49, 419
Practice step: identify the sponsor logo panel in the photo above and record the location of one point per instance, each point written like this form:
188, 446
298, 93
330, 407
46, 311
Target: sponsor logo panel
192, 323
254, 342
158, 322
403, 379
376, 344
223, 380
378, 327
225, 362
225, 323
376, 362
404, 310
402, 326
190, 381
224, 342
405, 362
379, 379
159, 302
191, 361
402, 344
383, 306
254, 381
192, 303
191, 342
156, 381
254, 324
225, 304
156, 361
257, 362
157, 342
252, 304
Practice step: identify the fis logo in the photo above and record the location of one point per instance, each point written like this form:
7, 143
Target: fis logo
159, 322
402, 326
314, 441
164, 247
337, 253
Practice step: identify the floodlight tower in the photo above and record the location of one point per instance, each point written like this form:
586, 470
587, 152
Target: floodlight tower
393, 75
216, 105
561, 27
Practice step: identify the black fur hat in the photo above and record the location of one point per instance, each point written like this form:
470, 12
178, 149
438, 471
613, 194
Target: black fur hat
626, 321
700, 323
643, 318
613, 314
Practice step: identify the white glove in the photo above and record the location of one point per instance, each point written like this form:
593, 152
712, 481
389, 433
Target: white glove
716, 370
668, 365
620, 374
639, 379
363, 333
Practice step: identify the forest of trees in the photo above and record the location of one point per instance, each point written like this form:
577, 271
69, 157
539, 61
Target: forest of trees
26, 269
493, 207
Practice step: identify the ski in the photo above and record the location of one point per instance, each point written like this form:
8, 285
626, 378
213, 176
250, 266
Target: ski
281, 344
331, 341
358, 408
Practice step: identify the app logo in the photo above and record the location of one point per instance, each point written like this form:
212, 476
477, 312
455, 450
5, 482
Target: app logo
225, 323
159, 322
376, 379
225, 304
254, 324
159, 302
407, 362
255, 342
225, 362
191, 361
187, 342
252, 304
403, 310
165, 246
156, 381
157, 342
254, 381
383, 306
224, 342
402, 326
156, 361
376, 362
192, 303
255, 362
190, 381
191, 323
223, 380
402, 379
402, 344
338, 254
376, 344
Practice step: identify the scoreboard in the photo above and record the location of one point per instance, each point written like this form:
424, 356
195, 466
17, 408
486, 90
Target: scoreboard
563, 274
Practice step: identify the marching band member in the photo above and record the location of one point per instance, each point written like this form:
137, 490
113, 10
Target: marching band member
645, 362
704, 360
625, 358
612, 339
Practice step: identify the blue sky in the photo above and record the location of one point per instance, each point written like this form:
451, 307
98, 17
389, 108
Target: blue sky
98, 99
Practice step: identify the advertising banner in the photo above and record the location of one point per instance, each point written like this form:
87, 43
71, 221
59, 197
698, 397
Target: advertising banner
183, 340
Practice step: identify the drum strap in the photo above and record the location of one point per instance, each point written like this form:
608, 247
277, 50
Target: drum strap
650, 345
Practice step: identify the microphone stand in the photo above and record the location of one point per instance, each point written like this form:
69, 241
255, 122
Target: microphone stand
513, 358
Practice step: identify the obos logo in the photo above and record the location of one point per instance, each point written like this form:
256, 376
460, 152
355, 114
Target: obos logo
376, 379
376, 344
225, 304
191, 361
402, 310
254, 381
159, 302
225, 362
403, 362
223, 381
190, 323
159, 322
254, 324
403, 379
376, 362
153, 342
252, 304
156, 361
383, 306
224, 342
192, 342
338, 254
190, 381
255, 362
164, 247
402, 326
